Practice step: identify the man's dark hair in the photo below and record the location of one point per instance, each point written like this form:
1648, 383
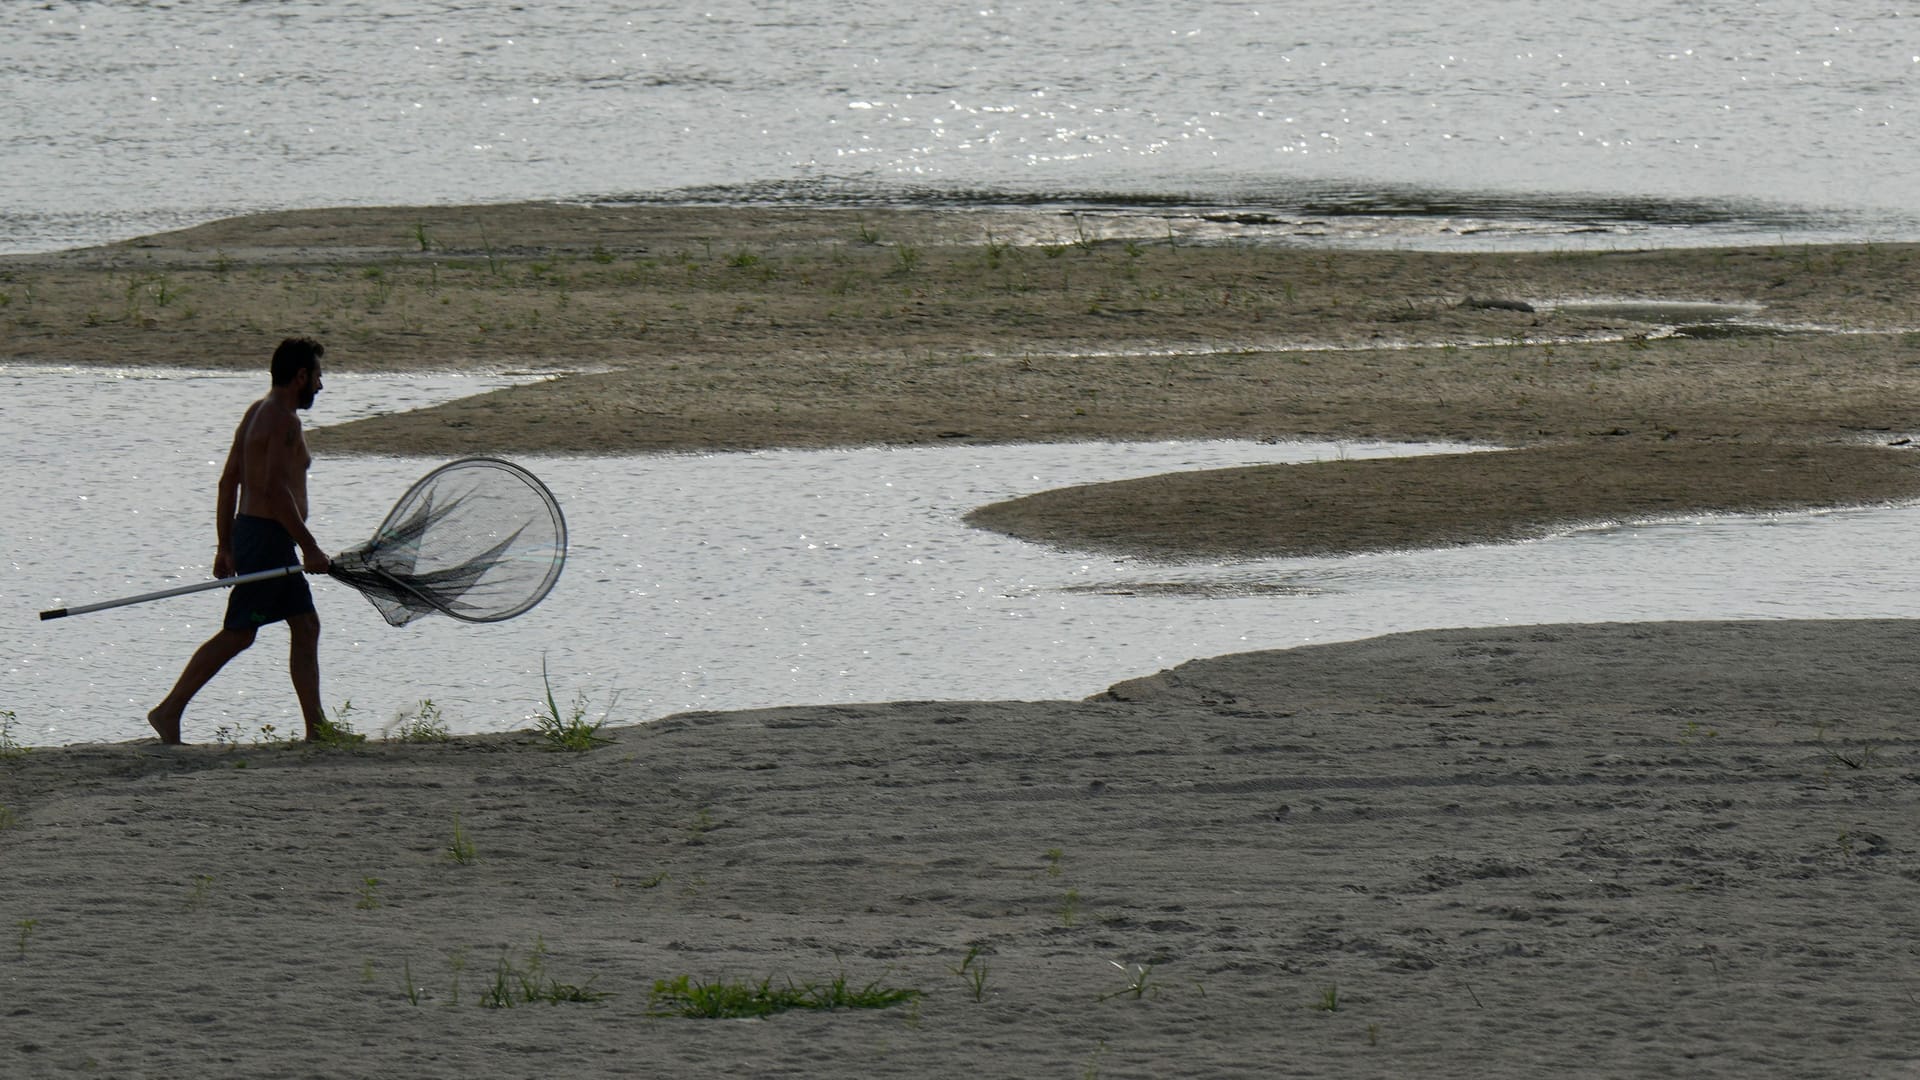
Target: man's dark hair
295, 354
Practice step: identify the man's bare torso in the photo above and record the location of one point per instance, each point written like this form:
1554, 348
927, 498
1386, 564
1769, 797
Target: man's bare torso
273, 456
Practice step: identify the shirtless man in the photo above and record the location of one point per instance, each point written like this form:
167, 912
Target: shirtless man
261, 517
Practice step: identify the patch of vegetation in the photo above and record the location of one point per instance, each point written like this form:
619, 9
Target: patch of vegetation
337, 733
973, 972
683, 996
513, 986
1136, 975
9, 747
460, 849
424, 724
571, 730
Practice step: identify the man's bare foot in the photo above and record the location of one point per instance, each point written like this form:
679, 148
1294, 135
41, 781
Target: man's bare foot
165, 724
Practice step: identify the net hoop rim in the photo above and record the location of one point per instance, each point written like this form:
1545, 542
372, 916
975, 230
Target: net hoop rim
532, 481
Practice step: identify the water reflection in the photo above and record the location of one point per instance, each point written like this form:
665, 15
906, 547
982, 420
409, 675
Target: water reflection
732, 581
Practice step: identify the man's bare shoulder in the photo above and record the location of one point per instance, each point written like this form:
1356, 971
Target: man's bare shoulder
267, 422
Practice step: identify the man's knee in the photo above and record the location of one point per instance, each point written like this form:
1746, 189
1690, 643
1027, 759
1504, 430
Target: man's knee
304, 628
236, 640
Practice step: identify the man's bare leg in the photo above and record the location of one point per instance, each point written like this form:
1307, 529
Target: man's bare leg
303, 663
205, 663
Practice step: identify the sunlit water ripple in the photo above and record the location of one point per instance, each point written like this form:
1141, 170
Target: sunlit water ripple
1488, 122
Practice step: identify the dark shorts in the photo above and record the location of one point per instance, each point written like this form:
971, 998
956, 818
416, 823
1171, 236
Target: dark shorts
261, 544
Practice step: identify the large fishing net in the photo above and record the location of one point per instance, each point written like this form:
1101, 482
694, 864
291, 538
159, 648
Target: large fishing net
478, 539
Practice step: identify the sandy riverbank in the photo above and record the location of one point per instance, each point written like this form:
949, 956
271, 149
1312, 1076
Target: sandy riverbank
1637, 850
1644, 850
722, 328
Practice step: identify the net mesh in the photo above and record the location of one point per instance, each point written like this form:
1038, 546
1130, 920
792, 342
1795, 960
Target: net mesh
478, 539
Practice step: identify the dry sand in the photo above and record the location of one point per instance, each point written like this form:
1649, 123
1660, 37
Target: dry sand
1631, 850
1634, 850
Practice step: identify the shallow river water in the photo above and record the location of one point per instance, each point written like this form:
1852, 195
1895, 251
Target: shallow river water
741, 580
1607, 122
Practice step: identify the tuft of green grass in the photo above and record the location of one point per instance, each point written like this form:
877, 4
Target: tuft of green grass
26, 930
683, 996
369, 894
9, 747
571, 730
337, 733
1092, 1071
973, 972
995, 251
1860, 759
6, 818
424, 724
460, 849
197, 895
1329, 1000
457, 962
1136, 981
514, 986
1070, 907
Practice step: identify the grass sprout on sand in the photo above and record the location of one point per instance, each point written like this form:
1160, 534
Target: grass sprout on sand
337, 733
424, 724
1136, 981
683, 996
526, 985
973, 972
8, 747
457, 963
1070, 907
572, 731
460, 848
26, 930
